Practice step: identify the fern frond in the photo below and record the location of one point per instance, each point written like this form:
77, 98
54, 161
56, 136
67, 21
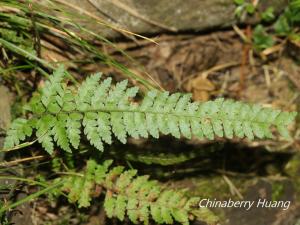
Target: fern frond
19, 130
53, 87
130, 195
103, 110
165, 158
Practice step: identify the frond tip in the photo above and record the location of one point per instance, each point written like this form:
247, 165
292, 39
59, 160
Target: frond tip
101, 110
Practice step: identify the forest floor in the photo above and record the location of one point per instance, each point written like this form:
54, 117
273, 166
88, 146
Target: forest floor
208, 65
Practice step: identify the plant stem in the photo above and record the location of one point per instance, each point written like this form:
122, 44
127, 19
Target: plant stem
31, 197
24, 180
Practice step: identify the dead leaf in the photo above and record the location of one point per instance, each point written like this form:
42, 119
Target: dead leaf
200, 87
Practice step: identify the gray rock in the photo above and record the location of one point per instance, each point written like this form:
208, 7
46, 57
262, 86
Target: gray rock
150, 17
5, 116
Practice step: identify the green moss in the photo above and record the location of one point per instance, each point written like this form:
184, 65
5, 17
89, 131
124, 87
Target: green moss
292, 169
277, 191
217, 187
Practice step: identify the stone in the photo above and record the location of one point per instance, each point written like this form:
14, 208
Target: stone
151, 17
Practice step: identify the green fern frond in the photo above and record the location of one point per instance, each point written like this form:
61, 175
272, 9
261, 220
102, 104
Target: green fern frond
165, 158
130, 195
10, 35
103, 110
19, 130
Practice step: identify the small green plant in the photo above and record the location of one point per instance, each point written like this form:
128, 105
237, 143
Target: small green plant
244, 7
261, 39
268, 15
61, 114
271, 30
285, 27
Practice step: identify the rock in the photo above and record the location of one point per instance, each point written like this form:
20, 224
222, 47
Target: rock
150, 17
5, 117
5, 103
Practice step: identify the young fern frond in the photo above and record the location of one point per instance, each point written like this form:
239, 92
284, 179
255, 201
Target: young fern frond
137, 197
60, 114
